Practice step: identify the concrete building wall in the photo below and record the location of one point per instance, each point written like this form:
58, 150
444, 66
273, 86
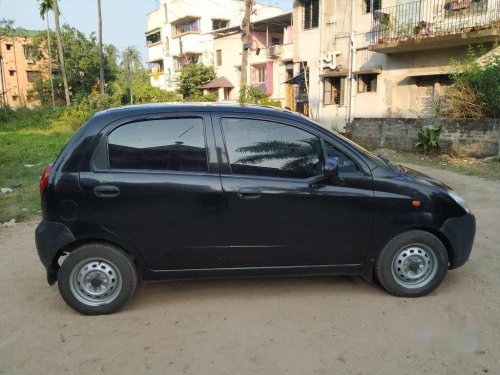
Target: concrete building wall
402, 87
259, 55
477, 138
19, 68
172, 11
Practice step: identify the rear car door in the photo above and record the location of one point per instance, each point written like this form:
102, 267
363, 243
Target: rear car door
278, 216
155, 181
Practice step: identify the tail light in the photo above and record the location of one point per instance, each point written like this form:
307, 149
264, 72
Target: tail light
45, 178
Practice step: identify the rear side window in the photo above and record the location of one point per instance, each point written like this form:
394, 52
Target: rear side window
266, 148
166, 145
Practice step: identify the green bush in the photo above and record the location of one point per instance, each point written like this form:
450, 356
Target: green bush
428, 139
85, 107
475, 88
254, 95
202, 98
192, 77
27, 118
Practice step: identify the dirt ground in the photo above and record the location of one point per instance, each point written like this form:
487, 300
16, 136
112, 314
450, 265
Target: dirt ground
315, 325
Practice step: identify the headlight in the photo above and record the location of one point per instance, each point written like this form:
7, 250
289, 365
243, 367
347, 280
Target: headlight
457, 198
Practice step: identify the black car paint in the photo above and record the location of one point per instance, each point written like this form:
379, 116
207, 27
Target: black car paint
215, 224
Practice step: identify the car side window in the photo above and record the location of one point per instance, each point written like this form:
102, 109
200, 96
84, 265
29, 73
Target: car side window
346, 165
164, 144
267, 148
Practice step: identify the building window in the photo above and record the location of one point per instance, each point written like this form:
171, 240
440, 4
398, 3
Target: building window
259, 74
187, 26
275, 41
14, 98
219, 24
311, 14
153, 38
227, 93
367, 83
8, 46
218, 57
370, 5
12, 72
32, 76
186, 59
334, 90
156, 67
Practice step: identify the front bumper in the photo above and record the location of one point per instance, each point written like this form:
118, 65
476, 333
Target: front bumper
460, 231
50, 238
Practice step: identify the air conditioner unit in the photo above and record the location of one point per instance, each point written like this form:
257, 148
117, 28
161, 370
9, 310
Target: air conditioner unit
274, 51
329, 60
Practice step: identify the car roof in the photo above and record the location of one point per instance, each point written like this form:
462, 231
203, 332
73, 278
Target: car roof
140, 109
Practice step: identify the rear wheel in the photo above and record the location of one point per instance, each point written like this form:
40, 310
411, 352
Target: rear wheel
412, 264
97, 279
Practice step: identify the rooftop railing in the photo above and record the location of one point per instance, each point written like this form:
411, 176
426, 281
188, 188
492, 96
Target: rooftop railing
427, 18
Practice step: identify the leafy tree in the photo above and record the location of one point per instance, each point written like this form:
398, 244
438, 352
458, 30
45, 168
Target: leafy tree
81, 54
192, 77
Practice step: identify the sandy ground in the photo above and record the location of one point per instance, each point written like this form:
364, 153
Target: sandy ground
317, 325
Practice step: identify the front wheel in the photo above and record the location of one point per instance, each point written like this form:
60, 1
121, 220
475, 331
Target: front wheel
412, 264
97, 279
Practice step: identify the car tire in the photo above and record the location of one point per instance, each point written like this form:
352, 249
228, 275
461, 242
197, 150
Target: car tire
412, 264
97, 279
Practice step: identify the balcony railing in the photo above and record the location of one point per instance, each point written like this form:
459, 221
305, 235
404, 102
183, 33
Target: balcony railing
428, 18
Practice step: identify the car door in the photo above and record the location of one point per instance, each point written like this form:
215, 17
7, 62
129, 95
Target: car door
155, 182
279, 214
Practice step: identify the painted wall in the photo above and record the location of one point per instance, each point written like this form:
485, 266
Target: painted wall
171, 11
16, 66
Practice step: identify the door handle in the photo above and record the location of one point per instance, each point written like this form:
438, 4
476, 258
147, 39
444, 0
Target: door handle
249, 193
107, 191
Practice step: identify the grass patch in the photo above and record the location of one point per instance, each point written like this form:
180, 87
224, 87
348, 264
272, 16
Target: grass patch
488, 169
29, 140
16, 151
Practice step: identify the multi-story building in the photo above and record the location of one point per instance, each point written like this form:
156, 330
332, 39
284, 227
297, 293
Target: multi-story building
180, 32
20, 65
270, 59
384, 58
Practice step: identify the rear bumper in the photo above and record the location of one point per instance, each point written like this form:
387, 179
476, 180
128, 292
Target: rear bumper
50, 238
460, 231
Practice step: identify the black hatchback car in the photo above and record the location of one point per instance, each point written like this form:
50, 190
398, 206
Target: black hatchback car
201, 191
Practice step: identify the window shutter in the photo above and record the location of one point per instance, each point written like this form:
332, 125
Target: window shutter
342, 91
327, 91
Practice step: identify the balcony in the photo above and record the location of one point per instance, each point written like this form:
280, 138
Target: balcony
429, 24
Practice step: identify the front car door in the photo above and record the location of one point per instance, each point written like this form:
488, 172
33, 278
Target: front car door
154, 181
278, 215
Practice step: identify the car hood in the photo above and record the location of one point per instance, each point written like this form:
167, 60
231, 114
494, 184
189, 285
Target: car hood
421, 178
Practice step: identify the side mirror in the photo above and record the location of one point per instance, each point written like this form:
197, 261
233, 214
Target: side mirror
331, 171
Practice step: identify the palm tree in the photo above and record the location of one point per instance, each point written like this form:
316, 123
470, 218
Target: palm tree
45, 7
101, 55
131, 62
60, 50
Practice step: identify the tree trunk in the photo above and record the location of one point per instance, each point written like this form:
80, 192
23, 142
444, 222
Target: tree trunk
50, 62
60, 51
101, 55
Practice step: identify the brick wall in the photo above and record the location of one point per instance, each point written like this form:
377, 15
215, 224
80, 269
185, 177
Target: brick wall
478, 138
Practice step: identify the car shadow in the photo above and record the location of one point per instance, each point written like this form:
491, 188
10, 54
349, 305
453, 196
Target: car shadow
151, 293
